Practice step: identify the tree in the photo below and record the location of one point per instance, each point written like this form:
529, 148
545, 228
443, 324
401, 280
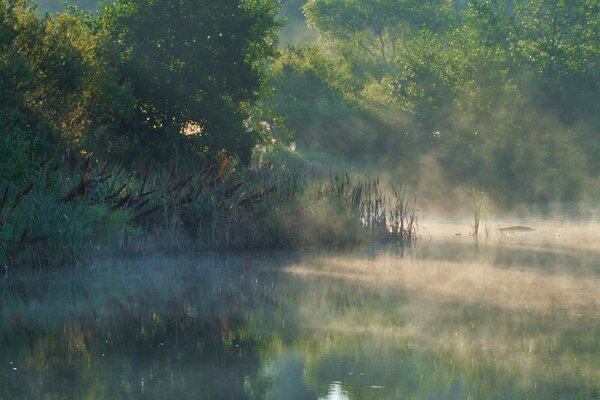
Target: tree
376, 27
46, 69
194, 63
559, 41
58, 89
554, 46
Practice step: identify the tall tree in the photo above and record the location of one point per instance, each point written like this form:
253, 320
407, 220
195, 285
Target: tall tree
194, 63
50, 81
377, 27
560, 41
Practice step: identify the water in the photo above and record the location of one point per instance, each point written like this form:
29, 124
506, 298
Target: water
510, 317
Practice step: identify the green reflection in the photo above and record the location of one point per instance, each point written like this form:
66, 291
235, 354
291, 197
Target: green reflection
290, 326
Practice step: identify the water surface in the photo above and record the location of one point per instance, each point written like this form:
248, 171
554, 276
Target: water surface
511, 317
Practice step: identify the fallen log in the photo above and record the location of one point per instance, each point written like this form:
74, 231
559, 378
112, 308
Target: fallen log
516, 228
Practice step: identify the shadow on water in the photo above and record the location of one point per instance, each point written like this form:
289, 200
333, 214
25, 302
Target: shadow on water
367, 325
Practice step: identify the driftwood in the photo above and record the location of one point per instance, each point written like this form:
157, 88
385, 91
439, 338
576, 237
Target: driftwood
516, 228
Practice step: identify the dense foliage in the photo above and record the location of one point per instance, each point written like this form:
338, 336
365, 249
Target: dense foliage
194, 63
158, 86
499, 93
127, 82
48, 71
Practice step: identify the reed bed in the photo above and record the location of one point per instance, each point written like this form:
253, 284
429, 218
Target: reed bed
65, 214
477, 199
387, 216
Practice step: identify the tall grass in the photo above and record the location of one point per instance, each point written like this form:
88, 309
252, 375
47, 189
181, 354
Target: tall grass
386, 217
477, 199
65, 214
57, 218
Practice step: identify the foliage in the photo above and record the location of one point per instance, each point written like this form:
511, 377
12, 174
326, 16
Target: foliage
51, 220
25, 134
57, 87
115, 84
376, 27
316, 96
193, 62
83, 92
175, 97
59, 218
495, 91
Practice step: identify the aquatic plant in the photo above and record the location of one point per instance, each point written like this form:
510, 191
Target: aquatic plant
477, 198
70, 211
387, 217
57, 218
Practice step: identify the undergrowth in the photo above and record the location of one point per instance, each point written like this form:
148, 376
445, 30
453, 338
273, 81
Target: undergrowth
65, 215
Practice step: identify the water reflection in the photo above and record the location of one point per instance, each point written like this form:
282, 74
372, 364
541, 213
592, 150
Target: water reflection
514, 319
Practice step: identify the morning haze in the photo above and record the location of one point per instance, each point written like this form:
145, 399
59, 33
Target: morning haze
322, 199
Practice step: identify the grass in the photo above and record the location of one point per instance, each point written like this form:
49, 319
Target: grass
390, 217
63, 215
477, 198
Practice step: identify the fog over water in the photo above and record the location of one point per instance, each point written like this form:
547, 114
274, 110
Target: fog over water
458, 136
513, 315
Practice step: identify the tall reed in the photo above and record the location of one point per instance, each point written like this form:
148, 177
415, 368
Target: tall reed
387, 217
477, 199
65, 214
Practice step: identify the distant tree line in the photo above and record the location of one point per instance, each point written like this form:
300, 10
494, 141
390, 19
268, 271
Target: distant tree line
499, 93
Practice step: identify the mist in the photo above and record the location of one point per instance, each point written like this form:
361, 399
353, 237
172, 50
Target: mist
300, 199
442, 98
446, 98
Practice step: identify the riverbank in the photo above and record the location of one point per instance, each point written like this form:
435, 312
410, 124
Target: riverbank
67, 213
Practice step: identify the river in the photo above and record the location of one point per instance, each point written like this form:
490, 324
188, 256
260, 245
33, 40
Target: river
508, 316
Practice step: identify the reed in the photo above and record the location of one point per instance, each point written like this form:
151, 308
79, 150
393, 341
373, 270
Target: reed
58, 219
477, 199
63, 216
386, 217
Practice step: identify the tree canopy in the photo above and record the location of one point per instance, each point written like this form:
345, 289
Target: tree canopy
50, 83
493, 90
194, 62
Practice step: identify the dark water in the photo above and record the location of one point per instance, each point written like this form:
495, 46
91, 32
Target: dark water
450, 321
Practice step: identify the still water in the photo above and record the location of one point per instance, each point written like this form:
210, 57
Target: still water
508, 317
